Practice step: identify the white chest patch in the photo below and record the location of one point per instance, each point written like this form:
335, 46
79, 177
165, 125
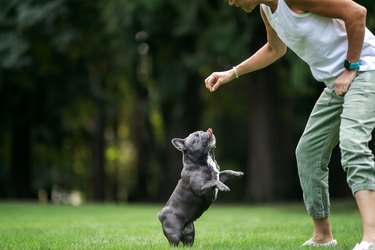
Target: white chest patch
212, 164
215, 171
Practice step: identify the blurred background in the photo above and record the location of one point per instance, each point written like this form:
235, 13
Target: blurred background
92, 92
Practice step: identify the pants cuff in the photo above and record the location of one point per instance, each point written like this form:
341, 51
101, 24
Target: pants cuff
365, 186
319, 215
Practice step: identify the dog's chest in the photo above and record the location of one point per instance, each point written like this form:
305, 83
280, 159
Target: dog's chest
213, 167
214, 170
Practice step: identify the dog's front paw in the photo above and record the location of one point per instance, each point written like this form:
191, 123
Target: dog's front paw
222, 187
238, 174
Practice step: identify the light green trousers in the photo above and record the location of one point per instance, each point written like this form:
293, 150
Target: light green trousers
348, 120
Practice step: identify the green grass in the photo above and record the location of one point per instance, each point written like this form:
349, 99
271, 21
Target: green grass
34, 226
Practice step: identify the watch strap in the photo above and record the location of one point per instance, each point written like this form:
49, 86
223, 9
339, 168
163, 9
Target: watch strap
352, 65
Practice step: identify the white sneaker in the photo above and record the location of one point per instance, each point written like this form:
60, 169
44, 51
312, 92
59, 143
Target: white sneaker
364, 245
311, 243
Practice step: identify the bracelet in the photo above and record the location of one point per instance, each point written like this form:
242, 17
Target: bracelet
235, 71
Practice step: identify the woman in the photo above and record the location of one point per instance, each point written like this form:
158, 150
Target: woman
331, 37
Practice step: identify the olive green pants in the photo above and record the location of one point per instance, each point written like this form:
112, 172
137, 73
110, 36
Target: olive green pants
348, 120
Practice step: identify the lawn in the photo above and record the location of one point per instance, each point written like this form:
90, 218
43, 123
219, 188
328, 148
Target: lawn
128, 226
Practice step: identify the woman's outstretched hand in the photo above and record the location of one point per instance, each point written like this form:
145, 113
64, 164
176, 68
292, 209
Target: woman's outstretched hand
216, 79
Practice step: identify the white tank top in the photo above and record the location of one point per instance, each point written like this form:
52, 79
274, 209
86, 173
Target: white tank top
320, 41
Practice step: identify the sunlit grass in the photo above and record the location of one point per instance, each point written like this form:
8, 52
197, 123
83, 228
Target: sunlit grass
33, 226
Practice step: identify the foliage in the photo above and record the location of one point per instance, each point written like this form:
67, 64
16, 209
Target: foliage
92, 92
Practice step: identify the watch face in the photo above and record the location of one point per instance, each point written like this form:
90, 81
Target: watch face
348, 65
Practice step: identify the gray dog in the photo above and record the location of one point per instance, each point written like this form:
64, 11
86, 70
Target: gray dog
196, 190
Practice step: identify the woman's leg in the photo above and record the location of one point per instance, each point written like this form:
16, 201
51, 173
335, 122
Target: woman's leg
357, 124
366, 204
313, 153
322, 231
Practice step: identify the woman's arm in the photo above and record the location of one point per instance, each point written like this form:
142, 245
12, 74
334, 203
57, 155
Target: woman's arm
266, 55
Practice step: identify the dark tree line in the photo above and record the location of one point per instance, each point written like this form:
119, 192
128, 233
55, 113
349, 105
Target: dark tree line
92, 92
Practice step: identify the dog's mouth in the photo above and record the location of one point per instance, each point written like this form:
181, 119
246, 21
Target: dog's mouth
210, 132
211, 141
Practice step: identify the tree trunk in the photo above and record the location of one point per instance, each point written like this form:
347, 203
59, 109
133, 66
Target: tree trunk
98, 171
179, 126
142, 139
20, 173
260, 184
272, 173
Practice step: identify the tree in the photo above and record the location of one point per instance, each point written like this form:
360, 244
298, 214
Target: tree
93, 91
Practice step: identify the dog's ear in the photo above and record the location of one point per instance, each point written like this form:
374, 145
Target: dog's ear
179, 144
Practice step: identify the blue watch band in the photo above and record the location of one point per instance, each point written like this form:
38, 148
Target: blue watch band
352, 65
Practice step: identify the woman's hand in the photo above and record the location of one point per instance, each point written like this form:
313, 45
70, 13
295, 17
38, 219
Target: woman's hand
343, 82
216, 79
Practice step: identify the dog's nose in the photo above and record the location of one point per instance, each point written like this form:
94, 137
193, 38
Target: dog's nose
210, 131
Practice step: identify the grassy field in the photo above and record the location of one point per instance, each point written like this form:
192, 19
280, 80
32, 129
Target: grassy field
34, 226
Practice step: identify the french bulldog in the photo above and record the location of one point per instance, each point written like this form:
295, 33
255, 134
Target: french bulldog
197, 189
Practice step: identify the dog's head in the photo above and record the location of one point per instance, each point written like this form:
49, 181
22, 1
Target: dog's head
196, 143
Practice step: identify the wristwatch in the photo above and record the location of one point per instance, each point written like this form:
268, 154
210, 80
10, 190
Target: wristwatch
352, 65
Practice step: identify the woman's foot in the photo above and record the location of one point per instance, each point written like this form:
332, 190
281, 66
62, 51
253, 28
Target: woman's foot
312, 243
322, 232
364, 245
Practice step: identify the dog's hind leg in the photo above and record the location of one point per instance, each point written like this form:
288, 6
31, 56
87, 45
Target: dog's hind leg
172, 229
188, 235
